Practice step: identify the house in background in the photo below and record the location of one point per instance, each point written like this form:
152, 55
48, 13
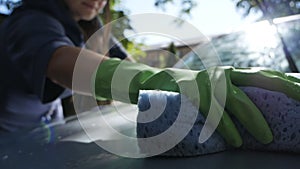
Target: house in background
167, 54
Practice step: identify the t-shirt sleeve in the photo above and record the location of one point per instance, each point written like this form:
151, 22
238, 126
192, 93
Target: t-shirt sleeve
32, 40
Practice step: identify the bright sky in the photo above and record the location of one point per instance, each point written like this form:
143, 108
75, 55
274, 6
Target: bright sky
211, 17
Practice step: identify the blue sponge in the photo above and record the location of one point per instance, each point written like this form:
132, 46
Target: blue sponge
282, 114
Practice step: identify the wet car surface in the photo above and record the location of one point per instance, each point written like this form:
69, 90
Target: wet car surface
73, 145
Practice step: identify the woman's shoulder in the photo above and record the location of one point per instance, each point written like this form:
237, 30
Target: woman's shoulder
30, 19
32, 16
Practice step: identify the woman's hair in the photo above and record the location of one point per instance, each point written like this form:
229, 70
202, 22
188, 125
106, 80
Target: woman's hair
88, 28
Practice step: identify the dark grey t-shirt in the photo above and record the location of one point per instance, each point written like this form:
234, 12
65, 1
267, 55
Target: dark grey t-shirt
28, 40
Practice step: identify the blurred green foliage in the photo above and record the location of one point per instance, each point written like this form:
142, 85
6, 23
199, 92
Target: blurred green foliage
186, 6
120, 23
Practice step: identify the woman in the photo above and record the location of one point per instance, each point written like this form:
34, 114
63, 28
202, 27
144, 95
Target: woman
41, 41
31, 35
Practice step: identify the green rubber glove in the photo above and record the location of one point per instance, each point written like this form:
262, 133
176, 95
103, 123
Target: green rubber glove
122, 80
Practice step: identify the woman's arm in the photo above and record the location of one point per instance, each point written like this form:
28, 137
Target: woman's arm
62, 65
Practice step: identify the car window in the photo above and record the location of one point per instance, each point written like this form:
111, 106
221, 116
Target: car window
291, 34
257, 45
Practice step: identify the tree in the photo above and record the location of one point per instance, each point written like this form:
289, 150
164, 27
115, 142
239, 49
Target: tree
172, 55
118, 28
186, 5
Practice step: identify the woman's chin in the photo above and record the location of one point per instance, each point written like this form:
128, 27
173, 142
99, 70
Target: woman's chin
88, 17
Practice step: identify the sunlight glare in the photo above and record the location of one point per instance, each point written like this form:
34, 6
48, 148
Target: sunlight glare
261, 35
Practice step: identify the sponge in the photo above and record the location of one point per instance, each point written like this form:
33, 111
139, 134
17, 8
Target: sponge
281, 113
